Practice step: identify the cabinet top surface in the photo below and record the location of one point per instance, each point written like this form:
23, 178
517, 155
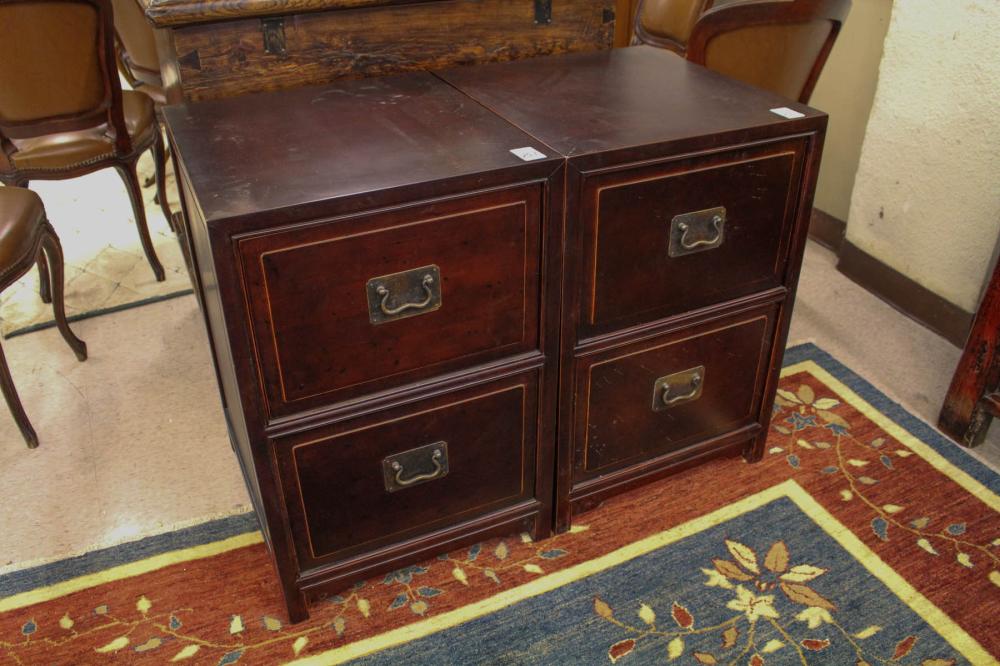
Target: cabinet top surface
277, 150
610, 100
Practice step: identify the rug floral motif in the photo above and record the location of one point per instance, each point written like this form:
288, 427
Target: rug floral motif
763, 586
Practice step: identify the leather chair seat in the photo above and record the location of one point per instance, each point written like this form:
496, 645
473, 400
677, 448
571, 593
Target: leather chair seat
68, 149
21, 217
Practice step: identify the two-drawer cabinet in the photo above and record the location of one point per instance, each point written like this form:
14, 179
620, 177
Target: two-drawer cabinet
688, 197
379, 275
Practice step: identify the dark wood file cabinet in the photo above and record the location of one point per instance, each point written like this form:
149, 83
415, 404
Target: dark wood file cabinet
378, 274
401, 310
687, 206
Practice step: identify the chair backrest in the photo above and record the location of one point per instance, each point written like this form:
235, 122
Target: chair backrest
667, 23
57, 69
778, 45
138, 42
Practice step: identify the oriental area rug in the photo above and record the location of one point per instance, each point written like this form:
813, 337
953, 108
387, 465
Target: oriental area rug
863, 538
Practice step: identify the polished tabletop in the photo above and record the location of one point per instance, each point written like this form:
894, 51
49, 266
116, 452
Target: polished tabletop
611, 100
270, 151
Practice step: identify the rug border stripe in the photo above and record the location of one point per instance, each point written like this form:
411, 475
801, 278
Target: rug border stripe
949, 630
48, 575
924, 451
129, 570
897, 413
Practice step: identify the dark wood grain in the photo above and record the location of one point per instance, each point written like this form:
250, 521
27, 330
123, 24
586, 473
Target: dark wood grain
418, 173
634, 101
228, 58
398, 131
627, 217
971, 401
311, 324
491, 440
617, 424
674, 137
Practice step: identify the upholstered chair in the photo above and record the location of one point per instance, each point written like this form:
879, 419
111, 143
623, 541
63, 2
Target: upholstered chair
667, 23
28, 240
139, 64
778, 45
62, 110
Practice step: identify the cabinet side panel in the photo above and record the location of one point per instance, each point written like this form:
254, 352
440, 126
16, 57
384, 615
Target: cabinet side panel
206, 286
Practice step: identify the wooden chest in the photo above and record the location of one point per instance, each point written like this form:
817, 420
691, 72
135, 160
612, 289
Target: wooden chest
687, 205
379, 274
220, 48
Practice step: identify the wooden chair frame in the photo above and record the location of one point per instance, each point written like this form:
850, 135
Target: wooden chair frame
46, 253
109, 112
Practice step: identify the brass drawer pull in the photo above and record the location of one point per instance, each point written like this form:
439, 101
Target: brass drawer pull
383, 291
397, 469
407, 294
698, 231
678, 388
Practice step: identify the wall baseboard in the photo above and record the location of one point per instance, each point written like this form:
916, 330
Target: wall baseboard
827, 230
908, 297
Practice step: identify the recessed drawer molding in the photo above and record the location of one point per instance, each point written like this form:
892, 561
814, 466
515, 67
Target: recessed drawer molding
348, 307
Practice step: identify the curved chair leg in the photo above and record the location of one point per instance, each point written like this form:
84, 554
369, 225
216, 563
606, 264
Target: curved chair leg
160, 161
52, 248
44, 286
131, 178
14, 402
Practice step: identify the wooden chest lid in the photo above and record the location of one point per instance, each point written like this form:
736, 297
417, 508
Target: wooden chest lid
613, 100
272, 151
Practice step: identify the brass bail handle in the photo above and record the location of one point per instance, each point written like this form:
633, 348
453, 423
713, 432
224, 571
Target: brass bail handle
398, 468
669, 400
688, 245
383, 291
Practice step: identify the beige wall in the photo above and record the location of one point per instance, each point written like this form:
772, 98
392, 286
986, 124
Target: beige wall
846, 90
926, 198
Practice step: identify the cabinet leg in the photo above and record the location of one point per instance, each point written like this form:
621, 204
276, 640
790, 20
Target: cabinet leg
754, 451
295, 603
542, 528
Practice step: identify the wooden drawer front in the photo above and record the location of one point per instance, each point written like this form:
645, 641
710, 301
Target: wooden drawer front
314, 304
336, 481
643, 267
711, 378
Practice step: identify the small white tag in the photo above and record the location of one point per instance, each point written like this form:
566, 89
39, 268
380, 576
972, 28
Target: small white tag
785, 112
528, 154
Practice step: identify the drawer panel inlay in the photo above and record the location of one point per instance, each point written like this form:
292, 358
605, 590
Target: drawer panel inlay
667, 239
434, 464
340, 308
703, 384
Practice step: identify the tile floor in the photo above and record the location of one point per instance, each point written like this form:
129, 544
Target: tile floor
105, 265
133, 441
